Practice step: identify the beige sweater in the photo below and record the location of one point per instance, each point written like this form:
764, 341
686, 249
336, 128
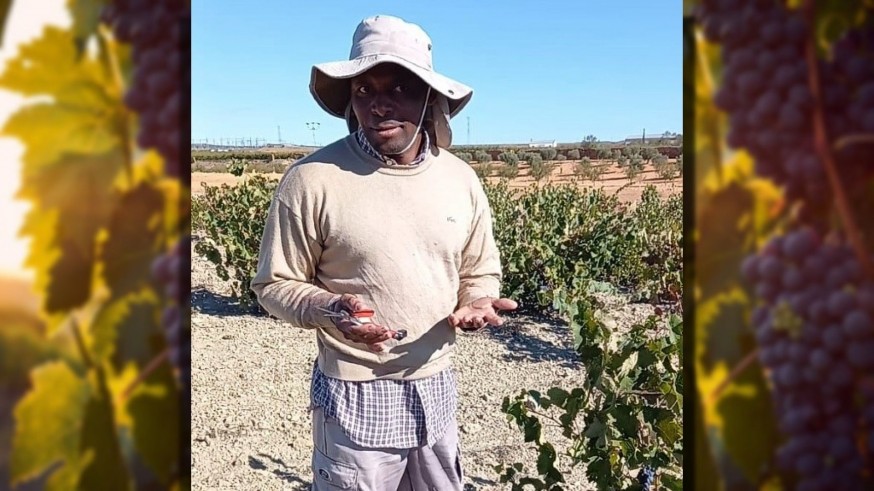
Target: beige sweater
414, 243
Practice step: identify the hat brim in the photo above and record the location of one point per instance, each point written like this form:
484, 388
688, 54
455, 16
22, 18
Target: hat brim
329, 83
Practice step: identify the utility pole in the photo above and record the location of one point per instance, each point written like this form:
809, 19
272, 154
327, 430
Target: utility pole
279, 134
468, 130
313, 126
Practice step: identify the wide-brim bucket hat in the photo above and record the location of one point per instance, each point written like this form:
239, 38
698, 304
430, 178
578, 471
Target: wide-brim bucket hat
387, 39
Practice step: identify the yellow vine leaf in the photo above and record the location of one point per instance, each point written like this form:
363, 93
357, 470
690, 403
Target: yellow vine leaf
766, 198
719, 348
73, 151
49, 131
48, 425
47, 65
118, 382
77, 190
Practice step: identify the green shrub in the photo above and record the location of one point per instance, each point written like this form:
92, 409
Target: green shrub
560, 157
630, 151
634, 168
548, 153
482, 156
589, 171
574, 154
237, 167
508, 158
648, 153
559, 236
552, 237
533, 158
232, 221
666, 170
465, 156
540, 169
509, 171
483, 170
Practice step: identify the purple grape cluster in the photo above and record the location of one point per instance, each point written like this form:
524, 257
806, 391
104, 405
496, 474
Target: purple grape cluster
766, 92
646, 478
169, 270
815, 322
815, 332
851, 97
764, 88
155, 31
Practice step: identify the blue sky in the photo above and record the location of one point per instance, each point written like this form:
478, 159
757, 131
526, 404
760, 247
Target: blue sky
540, 71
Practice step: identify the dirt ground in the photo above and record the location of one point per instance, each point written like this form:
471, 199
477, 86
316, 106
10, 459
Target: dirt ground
250, 428
613, 180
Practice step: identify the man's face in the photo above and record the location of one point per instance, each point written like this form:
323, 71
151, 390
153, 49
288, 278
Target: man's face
388, 101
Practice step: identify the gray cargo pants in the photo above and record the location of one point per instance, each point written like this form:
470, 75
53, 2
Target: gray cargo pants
338, 463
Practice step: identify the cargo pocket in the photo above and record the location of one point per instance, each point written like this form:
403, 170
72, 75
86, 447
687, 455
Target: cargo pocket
452, 469
458, 471
330, 474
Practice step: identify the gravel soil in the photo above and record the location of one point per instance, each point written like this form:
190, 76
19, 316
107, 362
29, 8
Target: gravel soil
250, 390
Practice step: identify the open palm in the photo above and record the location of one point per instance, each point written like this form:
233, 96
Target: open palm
481, 312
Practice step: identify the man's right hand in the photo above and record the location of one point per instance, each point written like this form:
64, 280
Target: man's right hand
371, 334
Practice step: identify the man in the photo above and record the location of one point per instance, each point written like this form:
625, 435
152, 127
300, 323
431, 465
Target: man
385, 219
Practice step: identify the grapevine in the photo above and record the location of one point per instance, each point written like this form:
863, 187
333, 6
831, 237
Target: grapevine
798, 100
102, 172
154, 30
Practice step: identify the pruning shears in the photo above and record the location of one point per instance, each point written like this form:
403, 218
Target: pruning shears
359, 318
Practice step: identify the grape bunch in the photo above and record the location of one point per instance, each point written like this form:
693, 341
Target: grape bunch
815, 332
169, 270
767, 94
764, 88
794, 110
851, 99
645, 478
155, 31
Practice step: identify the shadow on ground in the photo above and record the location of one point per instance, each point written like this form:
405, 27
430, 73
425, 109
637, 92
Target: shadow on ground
206, 302
478, 481
524, 343
259, 462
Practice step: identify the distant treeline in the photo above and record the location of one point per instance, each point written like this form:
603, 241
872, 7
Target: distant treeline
592, 152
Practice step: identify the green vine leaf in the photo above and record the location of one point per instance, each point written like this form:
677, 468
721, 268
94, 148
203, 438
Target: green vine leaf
99, 438
135, 233
48, 423
86, 18
155, 410
749, 441
122, 329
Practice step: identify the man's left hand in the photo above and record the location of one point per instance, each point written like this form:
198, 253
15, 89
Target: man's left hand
481, 312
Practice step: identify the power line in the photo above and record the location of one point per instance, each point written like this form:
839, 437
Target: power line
313, 126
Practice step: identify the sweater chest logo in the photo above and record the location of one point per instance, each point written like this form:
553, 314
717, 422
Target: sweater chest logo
450, 219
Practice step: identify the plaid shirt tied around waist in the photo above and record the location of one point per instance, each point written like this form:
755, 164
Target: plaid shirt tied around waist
388, 413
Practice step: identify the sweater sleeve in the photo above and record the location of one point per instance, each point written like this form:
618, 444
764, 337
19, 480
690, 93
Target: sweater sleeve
287, 263
480, 274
